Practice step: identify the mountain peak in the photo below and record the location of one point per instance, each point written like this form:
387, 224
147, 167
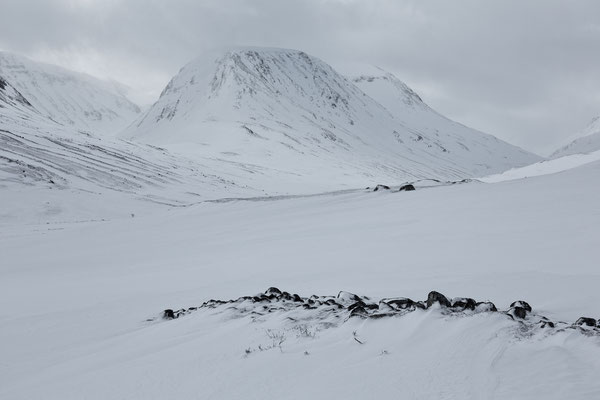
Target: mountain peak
66, 97
382, 80
244, 73
283, 108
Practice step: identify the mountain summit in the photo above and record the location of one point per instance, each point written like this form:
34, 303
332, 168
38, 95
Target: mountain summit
287, 110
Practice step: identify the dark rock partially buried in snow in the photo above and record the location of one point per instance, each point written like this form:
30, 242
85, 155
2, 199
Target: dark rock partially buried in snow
381, 187
517, 312
586, 321
522, 304
437, 297
406, 188
349, 305
464, 303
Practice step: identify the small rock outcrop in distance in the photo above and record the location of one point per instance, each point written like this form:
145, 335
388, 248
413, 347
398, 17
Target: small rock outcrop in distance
436, 297
406, 188
586, 321
381, 187
348, 305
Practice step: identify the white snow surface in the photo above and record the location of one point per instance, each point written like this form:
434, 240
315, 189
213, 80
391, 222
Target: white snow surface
287, 110
69, 98
586, 141
99, 235
76, 296
545, 167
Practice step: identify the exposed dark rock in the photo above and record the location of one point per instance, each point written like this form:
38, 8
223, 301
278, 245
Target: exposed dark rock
168, 314
273, 290
585, 321
381, 315
358, 312
437, 297
347, 296
406, 188
464, 303
346, 305
486, 306
399, 303
421, 304
518, 312
522, 304
381, 187
546, 324
359, 303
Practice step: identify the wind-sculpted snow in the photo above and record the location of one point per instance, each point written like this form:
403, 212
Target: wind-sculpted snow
331, 311
288, 110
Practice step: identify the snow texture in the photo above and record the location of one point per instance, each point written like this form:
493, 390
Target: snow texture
266, 167
587, 141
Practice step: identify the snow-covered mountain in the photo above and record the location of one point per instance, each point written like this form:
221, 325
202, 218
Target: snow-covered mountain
588, 140
287, 110
68, 98
59, 159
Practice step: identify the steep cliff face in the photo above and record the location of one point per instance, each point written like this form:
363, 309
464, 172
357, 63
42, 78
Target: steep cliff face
285, 109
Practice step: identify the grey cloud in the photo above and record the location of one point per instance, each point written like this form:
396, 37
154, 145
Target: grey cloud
525, 71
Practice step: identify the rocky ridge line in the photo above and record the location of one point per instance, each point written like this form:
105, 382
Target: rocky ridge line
349, 305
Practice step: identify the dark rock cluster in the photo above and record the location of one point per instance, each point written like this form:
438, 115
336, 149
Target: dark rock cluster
381, 187
348, 305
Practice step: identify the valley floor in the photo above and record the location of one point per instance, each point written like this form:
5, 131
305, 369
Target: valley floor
82, 301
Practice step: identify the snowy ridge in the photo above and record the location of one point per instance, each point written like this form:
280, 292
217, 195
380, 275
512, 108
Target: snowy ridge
11, 98
53, 168
285, 109
316, 309
587, 141
68, 98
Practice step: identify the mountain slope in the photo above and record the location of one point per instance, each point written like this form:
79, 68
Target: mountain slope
287, 110
53, 169
427, 125
69, 98
588, 140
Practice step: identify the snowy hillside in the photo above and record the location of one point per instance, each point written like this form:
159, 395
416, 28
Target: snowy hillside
546, 167
69, 98
287, 110
83, 303
434, 130
587, 141
52, 170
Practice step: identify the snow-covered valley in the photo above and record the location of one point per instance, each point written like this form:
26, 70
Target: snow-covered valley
245, 176
76, 308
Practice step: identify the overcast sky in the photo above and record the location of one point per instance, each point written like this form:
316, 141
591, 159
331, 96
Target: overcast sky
527, 71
